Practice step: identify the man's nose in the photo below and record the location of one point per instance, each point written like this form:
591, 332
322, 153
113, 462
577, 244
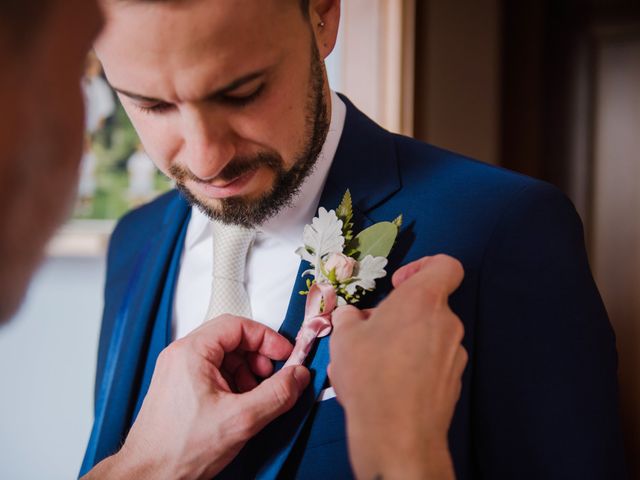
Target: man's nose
208, 143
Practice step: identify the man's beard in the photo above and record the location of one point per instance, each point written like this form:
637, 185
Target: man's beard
287, 183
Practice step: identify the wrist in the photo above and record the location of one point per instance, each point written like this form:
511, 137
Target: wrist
126, 465
422, 460
136, 463
389, 451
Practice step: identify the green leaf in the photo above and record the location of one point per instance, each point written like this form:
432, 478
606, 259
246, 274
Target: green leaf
345, 213
398, 221
377, 240
332, 277
345, 209
351, 251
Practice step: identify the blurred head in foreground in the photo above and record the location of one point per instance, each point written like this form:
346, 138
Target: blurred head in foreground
43, 47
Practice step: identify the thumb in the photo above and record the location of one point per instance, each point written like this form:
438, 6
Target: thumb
274, 396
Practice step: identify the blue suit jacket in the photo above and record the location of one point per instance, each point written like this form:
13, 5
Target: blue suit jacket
539, 397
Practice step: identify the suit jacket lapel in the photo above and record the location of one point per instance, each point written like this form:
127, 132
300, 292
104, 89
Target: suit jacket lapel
365, 163
127, 350
160, 331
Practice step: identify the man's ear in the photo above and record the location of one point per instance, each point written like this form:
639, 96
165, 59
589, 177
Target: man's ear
325, 19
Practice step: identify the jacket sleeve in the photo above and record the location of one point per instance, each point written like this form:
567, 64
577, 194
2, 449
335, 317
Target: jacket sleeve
545, 395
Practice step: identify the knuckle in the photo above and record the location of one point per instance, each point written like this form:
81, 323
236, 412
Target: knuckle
457, 327
283, 393
343, 313
224, 318
465, 355
174, 349
428, 295
440, 258
171, 355
449, 261
452, 265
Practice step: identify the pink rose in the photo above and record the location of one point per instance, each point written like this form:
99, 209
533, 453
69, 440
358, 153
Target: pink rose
342, 265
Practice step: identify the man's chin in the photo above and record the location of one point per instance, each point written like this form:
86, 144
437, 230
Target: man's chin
262, 196
221, 206
238, 210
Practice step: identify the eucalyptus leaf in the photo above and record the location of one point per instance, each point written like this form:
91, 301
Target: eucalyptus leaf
377, 240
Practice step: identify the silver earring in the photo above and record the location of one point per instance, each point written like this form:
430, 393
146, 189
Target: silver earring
321, 24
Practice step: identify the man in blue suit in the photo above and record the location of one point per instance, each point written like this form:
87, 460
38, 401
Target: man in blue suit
231, 100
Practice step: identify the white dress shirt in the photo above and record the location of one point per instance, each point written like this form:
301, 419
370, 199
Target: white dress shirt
272, 264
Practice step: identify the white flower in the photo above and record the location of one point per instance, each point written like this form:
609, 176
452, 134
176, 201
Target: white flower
321, 238
369, 270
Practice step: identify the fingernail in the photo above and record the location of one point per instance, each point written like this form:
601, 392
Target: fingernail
302, 376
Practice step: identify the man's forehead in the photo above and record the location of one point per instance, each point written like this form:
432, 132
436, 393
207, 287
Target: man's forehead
240, 18
154, 41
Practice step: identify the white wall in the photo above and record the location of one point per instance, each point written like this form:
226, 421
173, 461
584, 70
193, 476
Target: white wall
47, 364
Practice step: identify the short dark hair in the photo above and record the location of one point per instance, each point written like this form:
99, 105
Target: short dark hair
304, 5
21, 20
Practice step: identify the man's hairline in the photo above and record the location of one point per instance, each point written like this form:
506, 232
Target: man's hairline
304, 5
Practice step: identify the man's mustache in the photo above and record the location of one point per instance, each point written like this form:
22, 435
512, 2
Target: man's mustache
234, 169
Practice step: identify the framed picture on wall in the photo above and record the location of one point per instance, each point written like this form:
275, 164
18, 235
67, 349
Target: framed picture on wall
115, 175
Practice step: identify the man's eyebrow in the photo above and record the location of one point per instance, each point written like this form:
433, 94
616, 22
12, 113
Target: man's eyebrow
230, 87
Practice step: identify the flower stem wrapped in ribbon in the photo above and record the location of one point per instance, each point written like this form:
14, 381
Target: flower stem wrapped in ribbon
321, 302
344, 268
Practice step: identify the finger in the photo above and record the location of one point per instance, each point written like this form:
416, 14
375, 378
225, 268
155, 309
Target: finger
222, 381
227, 333
460, 361
229, 384
231, 366
245, 380
329, 374
273, 397
236, 365
259, 364
440, 274
343, 317
407, 271
367, 312
232, 361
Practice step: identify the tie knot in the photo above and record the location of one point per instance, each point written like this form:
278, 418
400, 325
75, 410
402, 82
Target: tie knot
231, 244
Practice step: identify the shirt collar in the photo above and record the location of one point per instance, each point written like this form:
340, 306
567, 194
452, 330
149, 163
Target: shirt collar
288, 224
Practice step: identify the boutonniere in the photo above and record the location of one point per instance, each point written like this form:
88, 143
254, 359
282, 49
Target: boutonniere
344, 267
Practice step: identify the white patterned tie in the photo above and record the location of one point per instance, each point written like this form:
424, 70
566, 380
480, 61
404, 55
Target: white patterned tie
231, 245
